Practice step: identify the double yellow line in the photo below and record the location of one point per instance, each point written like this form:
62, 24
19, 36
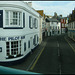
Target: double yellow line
36, 60
32, 67
70, 44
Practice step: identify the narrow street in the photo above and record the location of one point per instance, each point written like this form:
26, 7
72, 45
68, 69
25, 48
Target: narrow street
54, 56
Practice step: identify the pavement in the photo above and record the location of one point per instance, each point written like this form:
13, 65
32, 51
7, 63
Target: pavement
71, 42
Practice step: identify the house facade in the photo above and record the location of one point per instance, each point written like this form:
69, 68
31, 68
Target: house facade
41, 12
53, 27
19, 30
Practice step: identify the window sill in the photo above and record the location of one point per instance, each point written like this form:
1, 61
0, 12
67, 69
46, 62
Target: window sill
11, 57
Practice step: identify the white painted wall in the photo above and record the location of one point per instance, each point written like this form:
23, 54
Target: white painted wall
27, 32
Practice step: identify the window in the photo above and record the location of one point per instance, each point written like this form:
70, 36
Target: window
53, 27
0, 49
35, 23
30, 22
25, 46
57, 22
50, 27
13, 18
23, 20
13, 49
58, 31
52, 22
58, 27
7, 18
52, 32
35, 40
1, 18
28, 44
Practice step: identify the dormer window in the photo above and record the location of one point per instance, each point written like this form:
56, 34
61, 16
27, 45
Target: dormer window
13, 19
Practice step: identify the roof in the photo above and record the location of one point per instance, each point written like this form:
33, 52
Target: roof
51, 20
41, 12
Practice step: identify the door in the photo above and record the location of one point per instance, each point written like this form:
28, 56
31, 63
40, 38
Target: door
1, 18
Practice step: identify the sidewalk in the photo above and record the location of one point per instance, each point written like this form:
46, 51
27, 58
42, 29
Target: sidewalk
71, 42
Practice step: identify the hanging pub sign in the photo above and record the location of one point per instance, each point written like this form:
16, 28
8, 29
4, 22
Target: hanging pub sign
12, 38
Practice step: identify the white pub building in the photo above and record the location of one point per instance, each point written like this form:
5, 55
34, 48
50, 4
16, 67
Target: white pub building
19, 31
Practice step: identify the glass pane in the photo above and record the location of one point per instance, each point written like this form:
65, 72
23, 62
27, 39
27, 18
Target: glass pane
15, 15
11, 22
7, 21
8, 54
7, 43
7, 18
11, 15
12, 53
7, 46
7, 14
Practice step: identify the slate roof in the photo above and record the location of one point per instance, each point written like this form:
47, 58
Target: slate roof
51, 20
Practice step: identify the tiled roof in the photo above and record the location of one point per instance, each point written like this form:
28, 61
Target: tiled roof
51, 20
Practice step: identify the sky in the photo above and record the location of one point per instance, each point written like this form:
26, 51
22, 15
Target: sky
49, 7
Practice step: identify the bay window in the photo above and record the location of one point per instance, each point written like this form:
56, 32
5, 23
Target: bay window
13, 49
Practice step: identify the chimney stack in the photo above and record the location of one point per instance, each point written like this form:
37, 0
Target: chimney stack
30, 4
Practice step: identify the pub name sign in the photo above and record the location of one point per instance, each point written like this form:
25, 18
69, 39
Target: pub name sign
11, 38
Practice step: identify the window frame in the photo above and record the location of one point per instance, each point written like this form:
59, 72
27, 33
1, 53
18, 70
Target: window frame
31, 22
35, 23
29, 44
24, 46
35, 40
9, 18
0, 49
12, 47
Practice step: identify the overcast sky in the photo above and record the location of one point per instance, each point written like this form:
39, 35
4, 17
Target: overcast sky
49, 7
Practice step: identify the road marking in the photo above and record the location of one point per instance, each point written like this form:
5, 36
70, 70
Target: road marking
58, 48
70, 44
58, 53
60, 68
57, 44
33, 61
36, 60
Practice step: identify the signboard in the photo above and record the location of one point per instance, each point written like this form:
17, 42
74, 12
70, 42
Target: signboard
12, 38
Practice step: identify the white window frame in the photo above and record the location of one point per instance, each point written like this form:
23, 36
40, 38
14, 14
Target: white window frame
10, 48
9, 25
35, 23
31, 22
